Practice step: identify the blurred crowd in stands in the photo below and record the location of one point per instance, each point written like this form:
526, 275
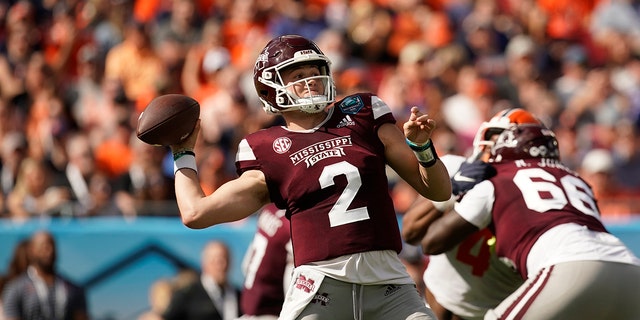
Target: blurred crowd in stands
75, 75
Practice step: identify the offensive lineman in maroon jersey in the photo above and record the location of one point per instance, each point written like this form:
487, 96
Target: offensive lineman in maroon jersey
267, 266
547, 226
465, 282
327, 169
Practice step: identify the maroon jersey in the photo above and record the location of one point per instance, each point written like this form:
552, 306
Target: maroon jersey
266, 264
533, 196
330, 180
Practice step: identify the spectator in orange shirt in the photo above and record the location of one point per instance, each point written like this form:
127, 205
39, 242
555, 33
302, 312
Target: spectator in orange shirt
197, 72
136, 65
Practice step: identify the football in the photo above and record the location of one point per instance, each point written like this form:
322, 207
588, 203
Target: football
168, 119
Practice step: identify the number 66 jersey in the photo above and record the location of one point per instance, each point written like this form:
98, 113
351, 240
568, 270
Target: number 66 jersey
331, 180
526, 204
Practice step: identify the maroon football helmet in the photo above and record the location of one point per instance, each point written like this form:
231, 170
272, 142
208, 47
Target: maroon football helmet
288, 51
525, 141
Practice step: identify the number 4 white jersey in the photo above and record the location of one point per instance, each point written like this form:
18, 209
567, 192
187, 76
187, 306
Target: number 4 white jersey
469, 279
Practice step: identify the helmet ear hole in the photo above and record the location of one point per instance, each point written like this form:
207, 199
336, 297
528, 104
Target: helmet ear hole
491, 132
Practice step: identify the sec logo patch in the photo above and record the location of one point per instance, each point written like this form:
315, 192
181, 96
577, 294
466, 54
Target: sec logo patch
281, 145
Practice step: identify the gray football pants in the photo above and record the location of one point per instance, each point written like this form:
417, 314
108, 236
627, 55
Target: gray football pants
337, 300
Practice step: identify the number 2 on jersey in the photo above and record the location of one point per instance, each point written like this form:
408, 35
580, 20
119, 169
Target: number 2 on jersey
340, 214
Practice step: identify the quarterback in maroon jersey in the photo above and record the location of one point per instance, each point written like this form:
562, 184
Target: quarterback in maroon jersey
327, 169
547, 226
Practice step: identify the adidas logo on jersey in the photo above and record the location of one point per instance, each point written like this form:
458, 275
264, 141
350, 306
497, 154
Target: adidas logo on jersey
346, 121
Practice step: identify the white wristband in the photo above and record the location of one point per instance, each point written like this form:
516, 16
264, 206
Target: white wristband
186, 161
426, 152
444, 206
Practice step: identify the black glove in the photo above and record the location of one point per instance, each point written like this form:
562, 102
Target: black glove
470, 174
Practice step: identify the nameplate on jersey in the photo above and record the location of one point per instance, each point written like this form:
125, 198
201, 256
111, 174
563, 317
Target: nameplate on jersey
351, 105
312, 154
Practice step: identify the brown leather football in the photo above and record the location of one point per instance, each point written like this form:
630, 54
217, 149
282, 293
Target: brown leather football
168, 119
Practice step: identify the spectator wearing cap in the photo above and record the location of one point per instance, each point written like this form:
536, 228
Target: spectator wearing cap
215, 59
223, 109
614, 18
210, 77
521, 58
202, 60
598, 169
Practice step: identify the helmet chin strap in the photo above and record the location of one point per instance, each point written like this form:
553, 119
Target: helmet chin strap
313, 104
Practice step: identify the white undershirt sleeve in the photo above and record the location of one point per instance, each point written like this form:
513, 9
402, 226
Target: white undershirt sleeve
477, 204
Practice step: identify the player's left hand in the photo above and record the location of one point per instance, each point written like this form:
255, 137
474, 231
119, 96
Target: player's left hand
419, 127
470, 174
